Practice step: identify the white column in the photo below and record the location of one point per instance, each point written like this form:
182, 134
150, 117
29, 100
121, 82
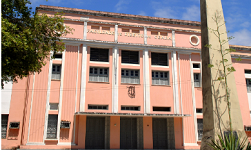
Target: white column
85, 30
194, 102
83, 78
175, 83
115, 77
116, 34
146, 73
173, 38
61, 93
145, 35
48, 98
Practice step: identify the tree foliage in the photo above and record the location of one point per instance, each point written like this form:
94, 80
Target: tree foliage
27, 39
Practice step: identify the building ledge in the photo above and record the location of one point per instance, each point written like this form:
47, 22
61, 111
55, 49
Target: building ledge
131, 114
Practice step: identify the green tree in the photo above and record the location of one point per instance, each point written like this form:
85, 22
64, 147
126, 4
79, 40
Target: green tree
27, 39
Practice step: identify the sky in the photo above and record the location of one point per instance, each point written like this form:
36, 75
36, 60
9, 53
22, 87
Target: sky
237, 13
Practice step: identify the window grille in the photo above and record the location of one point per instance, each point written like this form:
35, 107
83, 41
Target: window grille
130, 76
52, 127
247, 71
98, 54
4, 124
58, 56
135, 108
196, 79
53, 106
248, 83
104, 107
200, 128
56, 72
99, 74
159, 59
198, 110
160, 78
131, 57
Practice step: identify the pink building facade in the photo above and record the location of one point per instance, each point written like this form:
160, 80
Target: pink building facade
122, 82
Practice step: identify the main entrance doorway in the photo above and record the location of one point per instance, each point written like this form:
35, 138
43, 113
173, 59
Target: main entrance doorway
95, 133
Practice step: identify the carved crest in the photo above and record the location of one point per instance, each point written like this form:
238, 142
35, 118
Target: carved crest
131, 91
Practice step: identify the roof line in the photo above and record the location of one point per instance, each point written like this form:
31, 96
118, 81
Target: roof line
117, 15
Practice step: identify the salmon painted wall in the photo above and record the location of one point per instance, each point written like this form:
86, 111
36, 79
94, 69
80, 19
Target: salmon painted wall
69, 91
182, 39
115, 132
107, 31
158, 99
78, 31
104, 96
178, 131
38, 107
123, 98
13, 136
130, 35
187, 101
147, 133
240, 80
159, 37
55, 91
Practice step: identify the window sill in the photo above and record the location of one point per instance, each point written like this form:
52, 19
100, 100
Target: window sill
51, 140
160, 66
98, 82
55, 79
125, 64
99, 62
198, 87
130, 84
161, 85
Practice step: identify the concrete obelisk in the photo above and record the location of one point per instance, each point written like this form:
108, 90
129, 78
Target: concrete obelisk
215, 113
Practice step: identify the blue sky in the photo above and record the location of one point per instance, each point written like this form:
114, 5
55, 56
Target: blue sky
237, 13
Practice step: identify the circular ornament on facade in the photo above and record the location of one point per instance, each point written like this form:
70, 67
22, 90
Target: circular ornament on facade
60, 28
194, 40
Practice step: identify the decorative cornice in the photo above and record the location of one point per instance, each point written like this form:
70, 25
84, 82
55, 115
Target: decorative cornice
116, 15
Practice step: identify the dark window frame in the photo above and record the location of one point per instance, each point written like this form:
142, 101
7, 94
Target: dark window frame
99, 54
157, 59
52, 127
4, 125
130, 57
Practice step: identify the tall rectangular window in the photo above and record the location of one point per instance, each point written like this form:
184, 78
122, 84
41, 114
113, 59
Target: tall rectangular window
196, 79
4, 124
99, 74
130, 57
200, 128
248, 83
56, 72
159, 59
130, 76
160, 78
52, 127
98, 54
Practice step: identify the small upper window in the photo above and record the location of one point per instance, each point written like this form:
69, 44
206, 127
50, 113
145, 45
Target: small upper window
52, 127
200, 128
247, 71
56, 72
98, 54
131, 57
58, 56
196, 66
130, 76
159, 59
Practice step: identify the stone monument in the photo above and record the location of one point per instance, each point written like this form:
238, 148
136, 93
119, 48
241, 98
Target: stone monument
215, 109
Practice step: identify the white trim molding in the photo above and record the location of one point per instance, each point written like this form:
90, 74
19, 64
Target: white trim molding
196, 37
48, 98
83, 78
175, 83
116, 33
35, 143
173, 38
145, 35
61, 94
191, 144
146, 72
115, 77
85, 30
193, 98
33, 85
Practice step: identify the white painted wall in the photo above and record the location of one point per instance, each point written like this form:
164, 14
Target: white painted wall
6, 97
